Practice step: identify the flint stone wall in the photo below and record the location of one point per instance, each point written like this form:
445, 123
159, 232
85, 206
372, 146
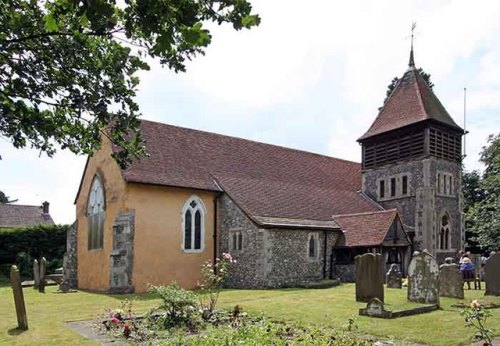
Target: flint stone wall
71, 256
271, 257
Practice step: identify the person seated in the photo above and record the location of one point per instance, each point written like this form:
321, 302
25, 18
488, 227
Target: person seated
467, 268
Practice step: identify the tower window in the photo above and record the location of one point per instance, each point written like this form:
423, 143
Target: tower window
382, 188
445, 185
393, 187
444, 233
450, 184
404, 184
439, 183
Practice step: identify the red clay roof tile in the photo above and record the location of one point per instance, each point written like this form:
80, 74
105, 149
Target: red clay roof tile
412, 101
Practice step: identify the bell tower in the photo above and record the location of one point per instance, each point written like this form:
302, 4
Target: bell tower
411, 160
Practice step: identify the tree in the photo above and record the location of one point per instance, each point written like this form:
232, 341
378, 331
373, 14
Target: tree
68, 67
426, 76
5, 199
483, 215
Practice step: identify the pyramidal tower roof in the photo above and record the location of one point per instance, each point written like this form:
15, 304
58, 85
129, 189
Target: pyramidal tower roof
411, 101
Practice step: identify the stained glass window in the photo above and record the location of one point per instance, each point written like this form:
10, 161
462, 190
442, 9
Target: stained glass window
95, 213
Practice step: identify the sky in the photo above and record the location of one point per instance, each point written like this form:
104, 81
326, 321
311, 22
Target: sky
309, 77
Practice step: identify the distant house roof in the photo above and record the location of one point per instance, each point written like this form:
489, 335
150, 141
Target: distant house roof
273, 185
15, 215
366, 229
411, 101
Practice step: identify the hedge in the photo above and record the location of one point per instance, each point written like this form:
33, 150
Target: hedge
21, 245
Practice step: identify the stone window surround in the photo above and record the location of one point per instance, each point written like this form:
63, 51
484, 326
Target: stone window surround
399, 186
93, 213
441, 176
200, 206
450, 230
316, 246
233, 248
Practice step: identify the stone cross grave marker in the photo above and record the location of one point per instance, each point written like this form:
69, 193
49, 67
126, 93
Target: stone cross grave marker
451, 283
369, 274
17, 289
423, 279
36, 274
492, 275
393, 277
43, 269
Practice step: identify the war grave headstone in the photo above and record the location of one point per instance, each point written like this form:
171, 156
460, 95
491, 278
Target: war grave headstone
423, 279
451, 283
492, 275
369, 274
17, 289
394, 277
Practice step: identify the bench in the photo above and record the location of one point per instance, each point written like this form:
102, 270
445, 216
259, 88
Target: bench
470, 276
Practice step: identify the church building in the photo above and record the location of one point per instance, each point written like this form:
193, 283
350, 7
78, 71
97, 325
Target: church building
287, 216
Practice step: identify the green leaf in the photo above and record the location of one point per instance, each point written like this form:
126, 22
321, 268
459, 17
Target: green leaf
50, 23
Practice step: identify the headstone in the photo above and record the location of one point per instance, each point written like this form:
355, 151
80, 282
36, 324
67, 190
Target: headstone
64, 286
36, 274
369, 274
451, 283
492, 275
423, 279
17, 289
375, 308
394, 277
43, 268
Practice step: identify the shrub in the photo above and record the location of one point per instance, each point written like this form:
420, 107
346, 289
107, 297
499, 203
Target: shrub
179, 304
211, 284
20, 246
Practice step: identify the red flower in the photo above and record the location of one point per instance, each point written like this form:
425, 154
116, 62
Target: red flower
115, 320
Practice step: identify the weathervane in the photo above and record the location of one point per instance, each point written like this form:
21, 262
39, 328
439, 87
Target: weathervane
412, 62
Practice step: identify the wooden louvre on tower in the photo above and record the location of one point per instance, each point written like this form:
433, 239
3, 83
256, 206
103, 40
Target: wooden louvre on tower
412, 124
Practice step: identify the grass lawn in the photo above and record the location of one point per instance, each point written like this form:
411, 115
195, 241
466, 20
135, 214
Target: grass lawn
322, 307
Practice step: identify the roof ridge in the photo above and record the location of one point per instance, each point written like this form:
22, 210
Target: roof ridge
22, 205
254, 141
367, 213
420, 97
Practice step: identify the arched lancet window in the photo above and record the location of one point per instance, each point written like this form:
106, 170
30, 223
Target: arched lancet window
96, 205
312, 246
444, 232
193, 215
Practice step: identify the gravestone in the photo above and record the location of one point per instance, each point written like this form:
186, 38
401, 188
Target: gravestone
451, 283
17, 289
394, 277
492, 275
423, 279
375, 308
36, 274
43, 269
369, 274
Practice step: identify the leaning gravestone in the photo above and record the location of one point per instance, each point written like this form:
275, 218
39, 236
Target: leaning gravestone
43, 268
393, 277
451, 283
492, 275
17, 289
36, 274
369, 274
423, 279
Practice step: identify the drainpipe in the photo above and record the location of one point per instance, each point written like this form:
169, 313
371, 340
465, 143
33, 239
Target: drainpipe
215, 231
324, 256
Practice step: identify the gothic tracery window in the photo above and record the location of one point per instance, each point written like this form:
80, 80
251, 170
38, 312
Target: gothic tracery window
193, 215
95, 212
444, 232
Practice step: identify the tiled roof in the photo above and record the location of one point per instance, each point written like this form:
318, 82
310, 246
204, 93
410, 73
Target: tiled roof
412, 101
268, 182
14, 215
366, 229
